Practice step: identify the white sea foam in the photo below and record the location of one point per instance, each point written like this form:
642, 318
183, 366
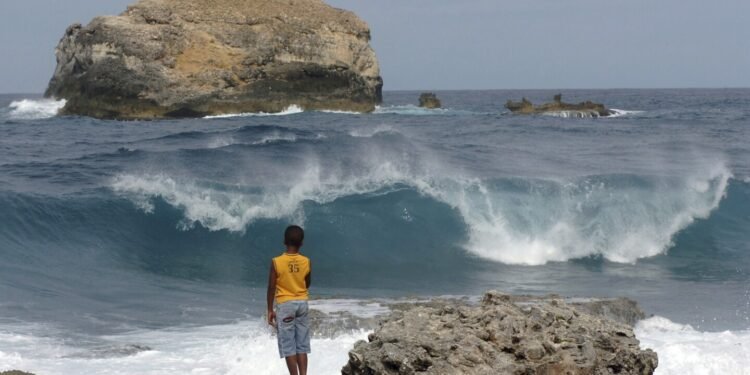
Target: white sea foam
683, 350
249, 347
570, 114
411, 110
578, 114
623, 112
276, 137
273, 137
34, 109
243, 348
291, 110
369, 131
408, 109
333, 111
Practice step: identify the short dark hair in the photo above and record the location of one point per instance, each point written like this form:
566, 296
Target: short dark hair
293, 236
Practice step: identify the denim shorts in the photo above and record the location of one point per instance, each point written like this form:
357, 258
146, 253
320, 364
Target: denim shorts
293, 328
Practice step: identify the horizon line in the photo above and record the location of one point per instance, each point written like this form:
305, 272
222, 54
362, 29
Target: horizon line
581, 88
517, 89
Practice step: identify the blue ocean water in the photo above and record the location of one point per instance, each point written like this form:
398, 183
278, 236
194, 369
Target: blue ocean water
116, 233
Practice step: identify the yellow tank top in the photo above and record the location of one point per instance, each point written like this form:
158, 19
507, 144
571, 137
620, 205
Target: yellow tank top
291, 270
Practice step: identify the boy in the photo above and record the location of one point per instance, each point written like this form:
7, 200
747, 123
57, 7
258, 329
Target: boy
288, 282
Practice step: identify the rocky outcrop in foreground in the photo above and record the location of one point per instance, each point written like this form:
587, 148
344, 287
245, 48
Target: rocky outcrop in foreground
583, 109
188, 58
429, 100
505, 335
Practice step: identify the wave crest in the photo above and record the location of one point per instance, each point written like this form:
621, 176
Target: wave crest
228, 208
512, 220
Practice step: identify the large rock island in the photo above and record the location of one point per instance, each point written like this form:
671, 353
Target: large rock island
506, 335
189, 58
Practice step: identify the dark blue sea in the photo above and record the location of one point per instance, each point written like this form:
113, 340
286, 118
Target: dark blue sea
143, 247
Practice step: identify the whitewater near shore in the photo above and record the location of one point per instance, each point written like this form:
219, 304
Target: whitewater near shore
143, 247
249, 347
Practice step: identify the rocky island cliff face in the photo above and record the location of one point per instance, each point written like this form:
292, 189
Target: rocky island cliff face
191, 58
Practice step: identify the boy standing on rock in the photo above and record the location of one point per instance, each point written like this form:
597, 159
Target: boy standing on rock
288, 283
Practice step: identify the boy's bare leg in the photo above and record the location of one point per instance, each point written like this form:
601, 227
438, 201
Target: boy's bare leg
302, 363
291, 364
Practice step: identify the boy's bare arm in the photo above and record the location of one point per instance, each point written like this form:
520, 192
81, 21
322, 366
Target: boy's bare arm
308, 277
270, 294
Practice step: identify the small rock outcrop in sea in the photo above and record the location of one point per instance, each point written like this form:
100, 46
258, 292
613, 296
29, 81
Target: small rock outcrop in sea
15, 372
583, 109
429, 100
502, 335
189, 58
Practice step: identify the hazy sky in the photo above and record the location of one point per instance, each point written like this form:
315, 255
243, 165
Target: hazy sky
475, 44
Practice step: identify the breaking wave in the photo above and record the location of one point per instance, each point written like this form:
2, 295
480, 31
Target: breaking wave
621, 218
232, 209
30, 109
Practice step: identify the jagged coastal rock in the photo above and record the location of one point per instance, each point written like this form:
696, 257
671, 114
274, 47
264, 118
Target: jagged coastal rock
583, 109
429, 100
505, 335
189, 58
15, 372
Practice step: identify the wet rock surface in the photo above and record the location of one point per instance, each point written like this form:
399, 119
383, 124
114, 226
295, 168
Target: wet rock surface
557, 106
190, 58
505, 334
429, 100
